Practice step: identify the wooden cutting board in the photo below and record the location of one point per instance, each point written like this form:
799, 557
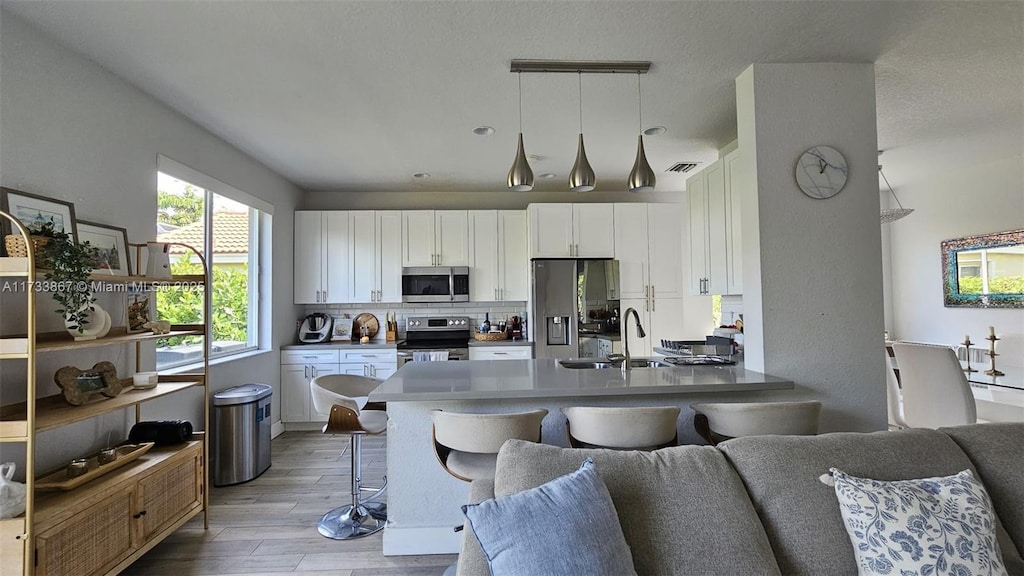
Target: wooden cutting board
368, 320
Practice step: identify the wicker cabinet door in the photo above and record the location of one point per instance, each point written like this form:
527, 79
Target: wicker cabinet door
167, 494
91, 542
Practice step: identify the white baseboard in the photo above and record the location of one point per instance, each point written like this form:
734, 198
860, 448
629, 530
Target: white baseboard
425, 540
276, 429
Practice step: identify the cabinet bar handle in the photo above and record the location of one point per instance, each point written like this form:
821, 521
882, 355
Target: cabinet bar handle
652, 291
305, 372
380, 295
647, 291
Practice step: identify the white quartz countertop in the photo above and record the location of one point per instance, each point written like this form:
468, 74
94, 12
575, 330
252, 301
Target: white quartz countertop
474, 342
378, 344
545, 378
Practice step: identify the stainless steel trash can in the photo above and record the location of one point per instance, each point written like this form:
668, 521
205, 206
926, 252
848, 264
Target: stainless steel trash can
241, 433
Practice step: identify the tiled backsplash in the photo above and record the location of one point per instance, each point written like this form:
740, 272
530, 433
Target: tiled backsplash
732, 307
475, 311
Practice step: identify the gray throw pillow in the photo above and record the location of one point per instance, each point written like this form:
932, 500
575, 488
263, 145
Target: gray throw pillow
566, 526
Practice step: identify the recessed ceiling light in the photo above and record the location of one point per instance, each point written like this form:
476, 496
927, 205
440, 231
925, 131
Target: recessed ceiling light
654, 130
421, 175
546, 176
483, 130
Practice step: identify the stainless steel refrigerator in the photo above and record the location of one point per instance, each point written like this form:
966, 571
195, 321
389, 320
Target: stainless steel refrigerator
568, 296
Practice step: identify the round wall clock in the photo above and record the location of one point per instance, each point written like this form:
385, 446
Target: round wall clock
821, 172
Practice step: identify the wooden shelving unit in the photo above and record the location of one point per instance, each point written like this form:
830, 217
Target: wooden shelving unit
32, 536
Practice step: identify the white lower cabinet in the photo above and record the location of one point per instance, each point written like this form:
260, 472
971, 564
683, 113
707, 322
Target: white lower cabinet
500, 352
298, 368
373, 363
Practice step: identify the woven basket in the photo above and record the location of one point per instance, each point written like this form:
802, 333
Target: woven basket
16, 248
491, 336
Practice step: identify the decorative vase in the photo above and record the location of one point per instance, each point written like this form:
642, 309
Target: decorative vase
98, 326
158, 263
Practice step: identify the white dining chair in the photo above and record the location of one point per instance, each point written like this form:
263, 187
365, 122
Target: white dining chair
621, 427
935, 389
895, 397
466, 445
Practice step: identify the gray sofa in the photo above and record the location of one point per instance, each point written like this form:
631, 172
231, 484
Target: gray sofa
755, 505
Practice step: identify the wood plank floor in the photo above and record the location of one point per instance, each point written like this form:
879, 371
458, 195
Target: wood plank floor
267, 527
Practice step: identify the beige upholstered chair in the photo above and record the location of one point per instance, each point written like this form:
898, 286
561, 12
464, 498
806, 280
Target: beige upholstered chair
935, 389
467, 445
719, 421
895, 397
342, 398
624, 428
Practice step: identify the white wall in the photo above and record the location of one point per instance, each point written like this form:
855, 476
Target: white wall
71, 130
812, 269
950, 203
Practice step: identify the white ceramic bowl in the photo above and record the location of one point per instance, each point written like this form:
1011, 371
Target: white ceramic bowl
144, 380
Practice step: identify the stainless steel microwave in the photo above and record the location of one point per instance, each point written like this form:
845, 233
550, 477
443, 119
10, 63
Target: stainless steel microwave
435, 284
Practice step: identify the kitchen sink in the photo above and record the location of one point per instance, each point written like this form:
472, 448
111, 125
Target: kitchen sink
604, 364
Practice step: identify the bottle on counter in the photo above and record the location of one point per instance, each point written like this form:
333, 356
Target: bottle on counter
486, 326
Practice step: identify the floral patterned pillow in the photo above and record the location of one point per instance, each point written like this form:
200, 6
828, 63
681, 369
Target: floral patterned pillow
926, 527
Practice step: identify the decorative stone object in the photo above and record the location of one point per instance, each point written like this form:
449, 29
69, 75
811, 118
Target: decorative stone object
80, 385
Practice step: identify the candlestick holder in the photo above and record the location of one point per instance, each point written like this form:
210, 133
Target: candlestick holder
992, 356
967, 345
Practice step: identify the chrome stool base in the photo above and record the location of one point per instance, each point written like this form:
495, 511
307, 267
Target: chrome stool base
347, 523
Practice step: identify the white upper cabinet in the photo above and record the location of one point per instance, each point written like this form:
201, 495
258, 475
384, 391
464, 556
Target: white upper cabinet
418, 238
592, 226
435, 238
734, 187
389, 252
323, 257
377, 258
664, 245
498, 255
514, 259
308, 262
483, 250
451, 237
551, 232
648, 244
715, 232
571, 231
632, 250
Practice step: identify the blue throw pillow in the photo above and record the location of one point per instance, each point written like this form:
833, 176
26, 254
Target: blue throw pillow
565, 527
926, 527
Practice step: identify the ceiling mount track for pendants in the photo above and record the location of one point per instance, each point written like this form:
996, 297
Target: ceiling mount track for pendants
582, 66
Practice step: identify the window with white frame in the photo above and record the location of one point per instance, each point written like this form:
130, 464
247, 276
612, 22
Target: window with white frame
217, 221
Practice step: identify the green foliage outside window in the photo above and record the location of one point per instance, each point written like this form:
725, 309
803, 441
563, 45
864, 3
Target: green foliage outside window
1001, 285
230, 303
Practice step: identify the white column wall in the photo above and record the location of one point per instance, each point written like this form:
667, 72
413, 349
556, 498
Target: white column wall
813, 299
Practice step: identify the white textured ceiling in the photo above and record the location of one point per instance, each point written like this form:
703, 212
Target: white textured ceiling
361, 95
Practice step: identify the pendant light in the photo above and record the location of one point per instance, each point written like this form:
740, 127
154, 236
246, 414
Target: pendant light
582, 178
893, 214
520, 176
641, 177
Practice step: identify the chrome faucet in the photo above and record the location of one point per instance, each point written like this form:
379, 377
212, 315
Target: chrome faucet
626, 363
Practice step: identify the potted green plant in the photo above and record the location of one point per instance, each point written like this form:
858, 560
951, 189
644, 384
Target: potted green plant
70, 267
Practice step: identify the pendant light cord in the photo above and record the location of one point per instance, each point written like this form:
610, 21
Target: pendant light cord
890, 189
520, 76
579, 75
639, 102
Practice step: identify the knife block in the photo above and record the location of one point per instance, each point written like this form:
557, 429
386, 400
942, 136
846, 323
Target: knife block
391, 335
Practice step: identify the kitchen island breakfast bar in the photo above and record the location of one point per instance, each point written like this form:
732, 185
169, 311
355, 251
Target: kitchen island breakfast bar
424, 501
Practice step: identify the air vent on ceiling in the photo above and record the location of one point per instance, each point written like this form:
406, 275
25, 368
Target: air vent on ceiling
682, 167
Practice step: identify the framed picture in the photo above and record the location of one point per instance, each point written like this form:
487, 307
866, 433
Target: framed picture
138, 312
31, 209
111, 243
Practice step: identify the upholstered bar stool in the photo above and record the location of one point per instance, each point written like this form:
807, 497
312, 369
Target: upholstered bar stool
622, 428
467, 445
342, 397
719, 421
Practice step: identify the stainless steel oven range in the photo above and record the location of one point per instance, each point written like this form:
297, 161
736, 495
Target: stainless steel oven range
425, 334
